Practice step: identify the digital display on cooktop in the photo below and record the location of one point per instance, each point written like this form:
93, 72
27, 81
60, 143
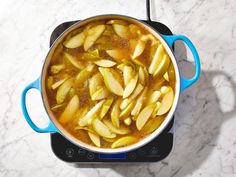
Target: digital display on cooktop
112, 156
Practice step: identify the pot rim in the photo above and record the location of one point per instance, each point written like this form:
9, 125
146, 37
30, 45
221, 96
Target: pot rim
80, 143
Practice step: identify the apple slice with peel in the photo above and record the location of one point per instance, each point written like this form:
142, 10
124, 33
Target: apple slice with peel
128, 121
83, 75
126, 112
111, 82
139, 48
121, 30
101, 129
156, 60
128, 73
75, 41
105, 63
152, 124
115, 113
58, 83
130, 86
94, 82
117, 54
92, 35
166, 102
73, 61
70, 110
63, 90
105, 107
125, 102
124, 141
57, 68
153, 96
144, 115
162, 66
143, 75
139, 103
122, 130
101, 93
90, 114
95, 139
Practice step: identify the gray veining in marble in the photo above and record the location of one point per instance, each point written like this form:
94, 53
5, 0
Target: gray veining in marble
205, 142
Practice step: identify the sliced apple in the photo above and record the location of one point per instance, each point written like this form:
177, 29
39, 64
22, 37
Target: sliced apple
63, 90
95, 81
95, 139
121, 30
70, 110
158, 105
136, 91
101, 129
157, 59
58, 83
128, 73
124, 141
101, 93
80, 113
105, 107
138, 62
105, 63
87, 129
148, 37
128, 121
143, 75
153, 96
164, 89
139, 103
90, 114
130, 86
152, 124
138, 50
117, 54
111, 82
166, 102
75, 41
126, 112
171, 74
162, 66
73, 61
57, 107
124, 103
91, 55
50, 82
166, 76
144, 115
83, 75
115, 113
57, 68
122, 130
92, 35
134, 29
121, 67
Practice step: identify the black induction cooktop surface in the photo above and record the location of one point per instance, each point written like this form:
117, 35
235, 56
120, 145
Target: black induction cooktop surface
154, 151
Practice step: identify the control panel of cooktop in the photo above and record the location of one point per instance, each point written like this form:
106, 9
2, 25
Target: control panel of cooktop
154, 151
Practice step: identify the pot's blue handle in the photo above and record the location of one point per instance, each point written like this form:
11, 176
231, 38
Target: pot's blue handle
185, 83
50, 127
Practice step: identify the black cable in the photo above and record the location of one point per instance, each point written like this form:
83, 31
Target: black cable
148, 9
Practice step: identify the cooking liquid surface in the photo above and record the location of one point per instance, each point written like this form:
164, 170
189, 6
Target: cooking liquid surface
109, 39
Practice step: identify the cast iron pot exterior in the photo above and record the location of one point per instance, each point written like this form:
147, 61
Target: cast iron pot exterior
53, 125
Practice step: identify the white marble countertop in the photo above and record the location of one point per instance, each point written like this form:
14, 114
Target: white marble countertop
206, 115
